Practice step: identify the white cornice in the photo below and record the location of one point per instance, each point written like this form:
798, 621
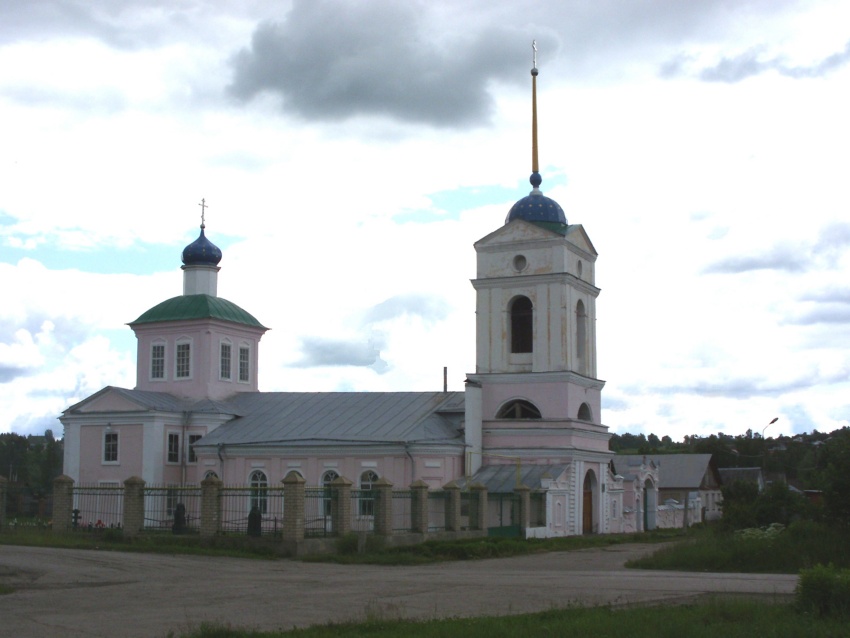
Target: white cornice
560, 376
535, 280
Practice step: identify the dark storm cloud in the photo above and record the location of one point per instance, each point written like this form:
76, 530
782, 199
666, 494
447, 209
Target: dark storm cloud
430, 309
752, 63
783, 258
334, 60
317, 351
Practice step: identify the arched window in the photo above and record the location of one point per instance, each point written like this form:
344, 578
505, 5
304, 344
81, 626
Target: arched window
327, 478
259, 491
210, 474
518, 409
522, 325
581, 337
584, 413
367, 496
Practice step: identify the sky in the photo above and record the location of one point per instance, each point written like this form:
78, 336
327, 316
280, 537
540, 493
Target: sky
351, 153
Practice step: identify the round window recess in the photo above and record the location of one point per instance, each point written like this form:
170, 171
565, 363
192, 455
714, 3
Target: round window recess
579, 268
520, 263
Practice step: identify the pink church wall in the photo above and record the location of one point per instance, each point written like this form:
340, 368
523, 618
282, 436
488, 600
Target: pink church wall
92, 468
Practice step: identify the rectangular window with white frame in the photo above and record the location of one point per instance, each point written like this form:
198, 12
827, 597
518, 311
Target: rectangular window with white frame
110, 447
173, 447
225, 361
158, 361
193, 438
183, 362
244, 364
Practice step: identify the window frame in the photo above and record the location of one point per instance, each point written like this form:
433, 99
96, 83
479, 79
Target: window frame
183, 344
172, 450
191, 439
159, 362
259, 494
107, 445
221, 364
244, 372
366, 501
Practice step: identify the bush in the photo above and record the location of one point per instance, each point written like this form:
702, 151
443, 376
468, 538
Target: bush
825, 590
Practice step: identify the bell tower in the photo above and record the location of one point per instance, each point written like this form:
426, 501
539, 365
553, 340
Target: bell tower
540, 400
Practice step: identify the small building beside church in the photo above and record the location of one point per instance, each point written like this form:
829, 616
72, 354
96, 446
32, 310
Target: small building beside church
530, 412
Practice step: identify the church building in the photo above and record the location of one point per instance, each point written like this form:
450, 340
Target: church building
530, 412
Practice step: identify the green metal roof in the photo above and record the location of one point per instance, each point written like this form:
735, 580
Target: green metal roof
189, 307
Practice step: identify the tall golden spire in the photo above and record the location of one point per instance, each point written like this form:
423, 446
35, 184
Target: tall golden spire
534, 166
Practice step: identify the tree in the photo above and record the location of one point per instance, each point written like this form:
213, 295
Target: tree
836, 477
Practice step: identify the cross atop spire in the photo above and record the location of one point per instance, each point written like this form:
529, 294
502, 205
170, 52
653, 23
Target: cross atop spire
535, 174
203, 206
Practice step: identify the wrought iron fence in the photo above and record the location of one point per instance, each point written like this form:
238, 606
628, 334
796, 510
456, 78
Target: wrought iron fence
172, 508
237, 502
467, 502
317, 511
437, 503
362, 510
98, 506
402, 510
26, 508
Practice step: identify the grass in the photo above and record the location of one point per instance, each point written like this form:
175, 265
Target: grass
5, 589
113, 540
802, 545
477, 548
376, 553
715, 617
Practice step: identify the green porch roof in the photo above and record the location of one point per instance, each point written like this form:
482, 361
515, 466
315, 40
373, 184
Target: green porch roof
189, 307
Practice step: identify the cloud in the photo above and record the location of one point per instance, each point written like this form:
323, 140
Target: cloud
746, 388
429, 309
317, 351
782, 258
752, 62
10, 372
331, 61
824, 314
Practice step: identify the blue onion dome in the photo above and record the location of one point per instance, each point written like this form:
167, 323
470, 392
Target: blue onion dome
536, 207
201, 252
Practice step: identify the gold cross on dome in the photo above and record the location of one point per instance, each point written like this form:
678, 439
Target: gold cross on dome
203, 206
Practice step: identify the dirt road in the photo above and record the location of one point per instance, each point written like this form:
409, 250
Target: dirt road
73, 593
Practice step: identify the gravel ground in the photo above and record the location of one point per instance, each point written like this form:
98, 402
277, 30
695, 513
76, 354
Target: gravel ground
70, 593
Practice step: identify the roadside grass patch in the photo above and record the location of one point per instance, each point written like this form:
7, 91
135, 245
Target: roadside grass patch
475, 548
728, 618
5, 589
801, 545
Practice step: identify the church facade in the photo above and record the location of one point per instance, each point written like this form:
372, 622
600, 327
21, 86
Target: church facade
530, 412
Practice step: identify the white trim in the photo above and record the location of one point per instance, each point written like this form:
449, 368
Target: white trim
181, 341
158, 342
109, 430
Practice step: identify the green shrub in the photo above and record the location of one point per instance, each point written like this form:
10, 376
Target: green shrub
825, 590
347, 544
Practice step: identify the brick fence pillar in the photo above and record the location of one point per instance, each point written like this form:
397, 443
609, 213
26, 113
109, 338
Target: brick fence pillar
341, 505
524, 497
452, 505
3, 488
134, 506
419, 507
293, 507
63, 503
210, 506
383, 507
478, 507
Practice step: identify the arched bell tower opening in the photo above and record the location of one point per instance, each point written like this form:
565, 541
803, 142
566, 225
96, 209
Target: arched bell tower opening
521, 312
581, 338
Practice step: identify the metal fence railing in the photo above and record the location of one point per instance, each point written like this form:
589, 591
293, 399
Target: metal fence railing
172, 508
26, 508
98, 506
237, 502
437, 503
402, 510
538, 509
466, 504
317, 511
362, 510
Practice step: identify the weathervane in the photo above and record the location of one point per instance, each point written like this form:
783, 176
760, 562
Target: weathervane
203, 206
